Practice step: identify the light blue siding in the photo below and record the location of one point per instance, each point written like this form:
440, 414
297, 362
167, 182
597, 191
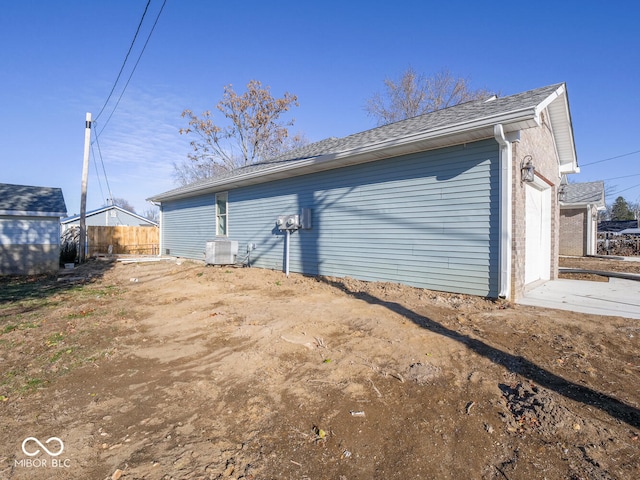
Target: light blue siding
187, 225
428, 220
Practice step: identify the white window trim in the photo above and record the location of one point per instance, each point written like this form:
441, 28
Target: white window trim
226, 214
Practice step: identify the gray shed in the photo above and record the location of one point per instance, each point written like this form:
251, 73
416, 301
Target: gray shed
463, 199
30, 228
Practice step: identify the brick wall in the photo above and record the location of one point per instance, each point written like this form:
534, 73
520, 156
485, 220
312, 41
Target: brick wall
537, 142
573, 231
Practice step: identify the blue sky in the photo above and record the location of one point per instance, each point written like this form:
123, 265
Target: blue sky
59, 60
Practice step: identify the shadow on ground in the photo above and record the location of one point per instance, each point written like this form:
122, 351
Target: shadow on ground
18, 288
514, 363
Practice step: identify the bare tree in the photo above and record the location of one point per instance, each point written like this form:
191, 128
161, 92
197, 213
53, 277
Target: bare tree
415, 94
123, 203
254, 131
152, 213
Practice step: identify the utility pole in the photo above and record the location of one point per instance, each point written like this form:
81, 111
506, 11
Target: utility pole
83, 197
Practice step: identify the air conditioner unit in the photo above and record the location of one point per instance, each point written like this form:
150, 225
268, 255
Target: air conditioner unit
221, 252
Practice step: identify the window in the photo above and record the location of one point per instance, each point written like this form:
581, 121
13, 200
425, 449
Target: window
221, 213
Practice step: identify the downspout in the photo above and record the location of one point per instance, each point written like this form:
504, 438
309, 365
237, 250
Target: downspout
160, 232
287, 247
506, 211
160, 226
589, 229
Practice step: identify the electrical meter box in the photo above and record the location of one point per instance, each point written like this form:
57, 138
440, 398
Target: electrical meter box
288, 222
305, 219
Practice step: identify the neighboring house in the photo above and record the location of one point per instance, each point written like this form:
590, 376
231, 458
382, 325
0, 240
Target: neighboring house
437, 201
109, 216
579, 206
112, 229
30, 229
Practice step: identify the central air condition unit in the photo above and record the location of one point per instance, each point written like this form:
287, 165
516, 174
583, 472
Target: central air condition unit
221, 252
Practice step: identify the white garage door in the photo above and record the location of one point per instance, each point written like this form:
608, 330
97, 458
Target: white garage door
538, 233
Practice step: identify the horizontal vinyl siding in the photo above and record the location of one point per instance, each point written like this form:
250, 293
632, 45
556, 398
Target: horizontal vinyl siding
29, 230
187, 225
428, 220
29, 245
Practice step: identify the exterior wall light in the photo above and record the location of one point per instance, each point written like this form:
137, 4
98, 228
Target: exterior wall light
527, 170
562, 194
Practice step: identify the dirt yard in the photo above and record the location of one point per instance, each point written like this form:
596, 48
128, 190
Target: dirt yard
172, 370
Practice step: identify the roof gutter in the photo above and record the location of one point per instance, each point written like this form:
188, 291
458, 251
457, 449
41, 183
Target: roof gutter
31, 213
506, 210
516, 120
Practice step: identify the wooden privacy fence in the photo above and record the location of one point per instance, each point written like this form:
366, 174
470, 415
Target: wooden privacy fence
123, 240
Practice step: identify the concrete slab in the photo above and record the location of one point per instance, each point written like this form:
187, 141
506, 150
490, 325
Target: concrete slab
617, 297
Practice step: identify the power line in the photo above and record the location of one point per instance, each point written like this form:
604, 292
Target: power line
125, 60
611, 158
96, 133
134, 67
625, 189
624, 176
95, 165
104, 171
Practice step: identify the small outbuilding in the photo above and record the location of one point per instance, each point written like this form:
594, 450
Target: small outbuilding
30, 229
579, 207
463, 199
108, 216
113, 229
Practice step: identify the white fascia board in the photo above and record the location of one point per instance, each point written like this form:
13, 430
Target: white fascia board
547, 101
560, 117
513, 120
567, 168
26, 213
575, 205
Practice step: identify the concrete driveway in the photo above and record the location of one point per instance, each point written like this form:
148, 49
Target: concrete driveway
617, 297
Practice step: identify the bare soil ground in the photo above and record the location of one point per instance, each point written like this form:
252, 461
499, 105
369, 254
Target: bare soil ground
182, 371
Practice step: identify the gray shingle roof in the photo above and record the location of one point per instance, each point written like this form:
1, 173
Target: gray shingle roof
464, 112
100, 210
474, 114
36, 200
584, 193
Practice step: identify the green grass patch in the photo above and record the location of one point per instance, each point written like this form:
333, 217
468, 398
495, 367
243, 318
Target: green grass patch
54, 339
18, 326
11, 374
81, 314
33, 383
10, 328
59, 354
102, 291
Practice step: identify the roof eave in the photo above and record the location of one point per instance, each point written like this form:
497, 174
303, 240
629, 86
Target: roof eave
598, 205
31, 213
557, 104
456, 134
